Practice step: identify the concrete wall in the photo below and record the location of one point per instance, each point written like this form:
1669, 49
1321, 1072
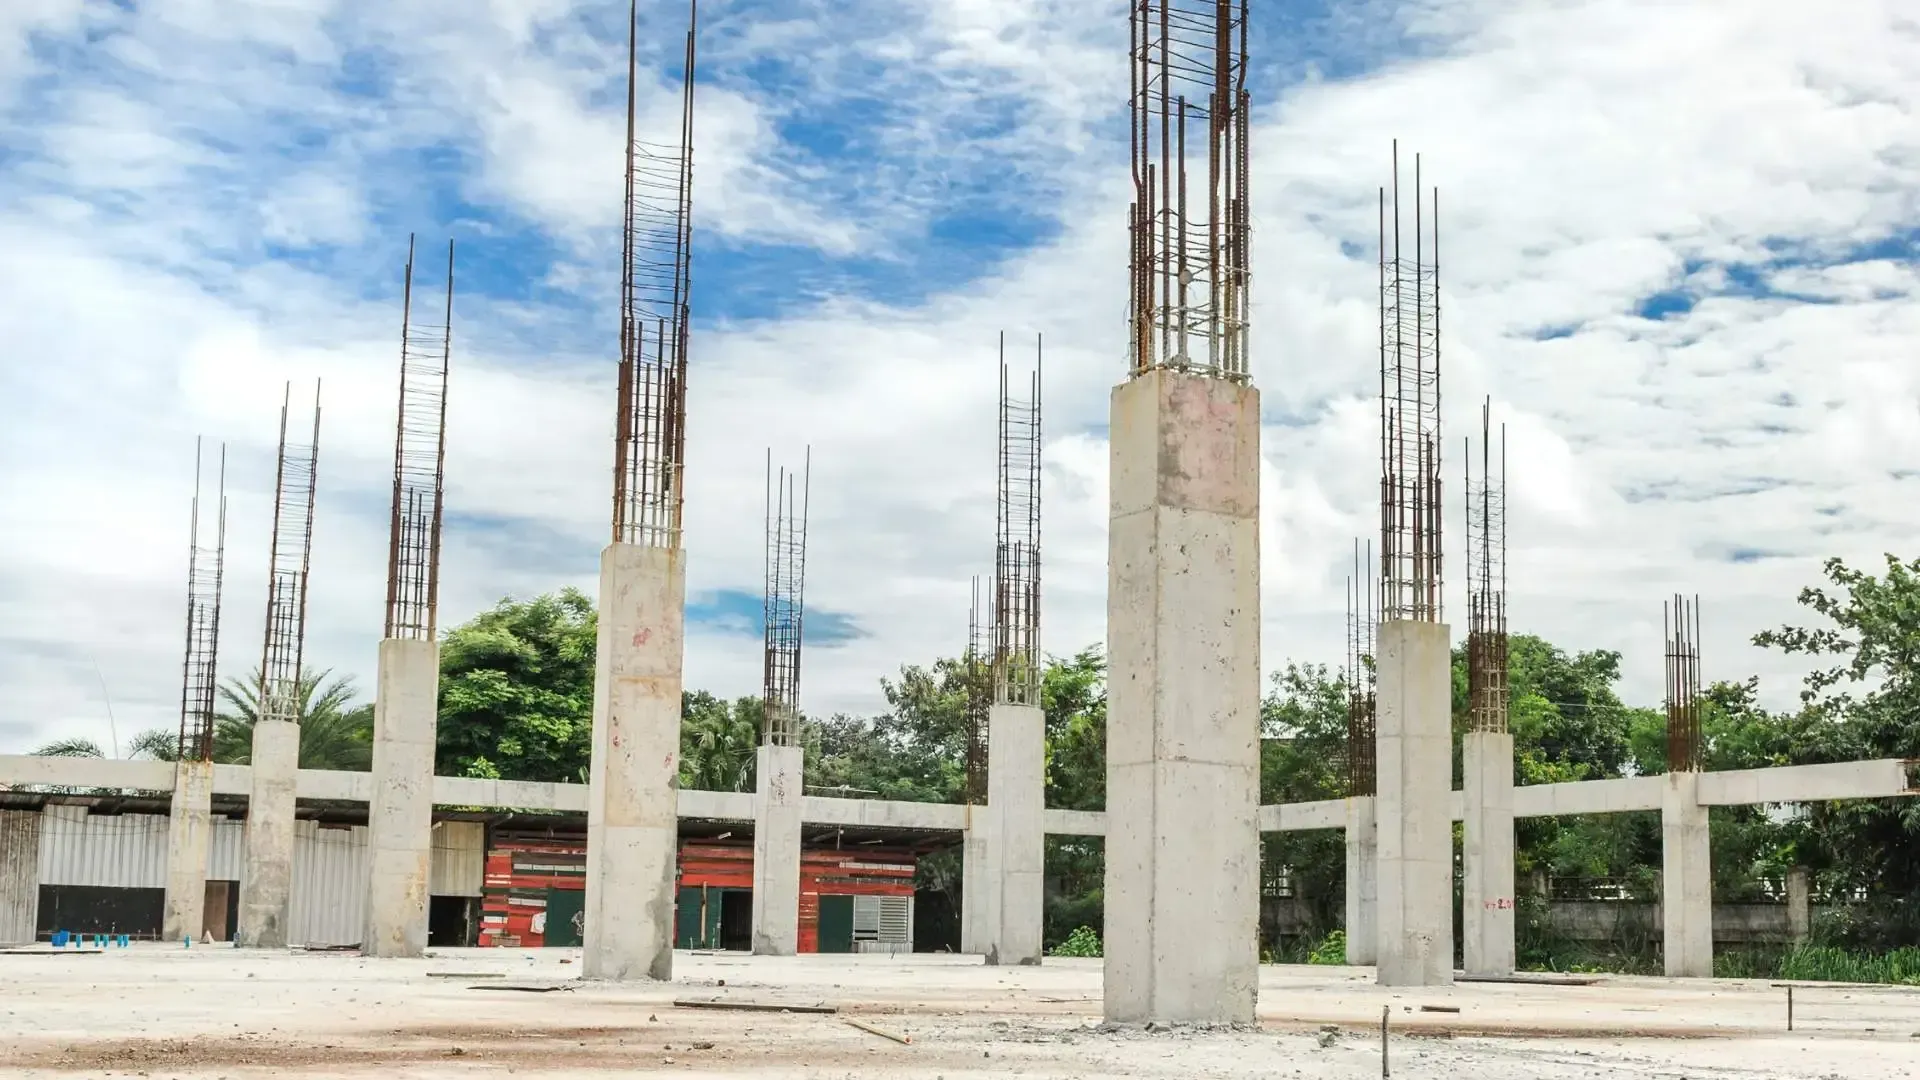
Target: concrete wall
1183, 701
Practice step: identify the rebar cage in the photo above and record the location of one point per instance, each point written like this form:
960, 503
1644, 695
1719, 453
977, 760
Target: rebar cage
1410, 498
1361, 769
287, 575
1016, 573
1487, 581
205, 569
419, 465
1188, 254
977, 669
1680, 619
785, 602
656, 254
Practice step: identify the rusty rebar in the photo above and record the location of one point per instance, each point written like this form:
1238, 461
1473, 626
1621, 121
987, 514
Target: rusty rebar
650, 438
1681, 621
785, 599
1016, 573
976, 669
1361, 768
1487, 581
1188, 274
290, 559
419, 465
1410, 490
205, 571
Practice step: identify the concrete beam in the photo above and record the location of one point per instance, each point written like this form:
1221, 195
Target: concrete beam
21, 770
1304, 817
884, 814
1588, 797
1183, 701
1882, 779
1075, 822
632, 826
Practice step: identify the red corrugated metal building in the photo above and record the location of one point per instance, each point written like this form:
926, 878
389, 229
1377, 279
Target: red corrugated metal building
851, 899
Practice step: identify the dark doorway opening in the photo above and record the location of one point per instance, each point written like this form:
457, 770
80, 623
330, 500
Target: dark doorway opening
736, 919
453, 921
95, 909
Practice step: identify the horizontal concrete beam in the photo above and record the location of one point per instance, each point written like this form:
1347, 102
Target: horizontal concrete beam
509, 794
1075, 823
1301, 817
18, 770
1806, 783
882, 814
1588, 797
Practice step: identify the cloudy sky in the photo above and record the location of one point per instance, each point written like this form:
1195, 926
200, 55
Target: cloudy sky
1681, 256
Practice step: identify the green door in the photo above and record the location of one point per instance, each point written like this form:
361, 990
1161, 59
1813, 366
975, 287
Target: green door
564, 910
836, 924
696, 918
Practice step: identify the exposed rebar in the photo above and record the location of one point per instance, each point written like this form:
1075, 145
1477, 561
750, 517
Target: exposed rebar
205, 570
1362, 775
650, 437
1016, 570
1410, 504
1487, 581
419, 466
1681, 621
977, 669
292, 549
785, 601
1188, 255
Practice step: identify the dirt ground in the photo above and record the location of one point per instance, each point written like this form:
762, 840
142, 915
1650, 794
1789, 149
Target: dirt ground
214, 1012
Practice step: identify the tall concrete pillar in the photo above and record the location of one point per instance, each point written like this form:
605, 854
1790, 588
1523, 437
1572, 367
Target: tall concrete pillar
1799, 906
1017, 803
1487, 894
400, 817
779, 779
1363, 883
1183, 701
189, 838
266, 884
979, 883
1414, 736
1686, 880
633, 787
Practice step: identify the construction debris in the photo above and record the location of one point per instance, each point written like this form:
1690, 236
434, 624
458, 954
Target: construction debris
882, 1032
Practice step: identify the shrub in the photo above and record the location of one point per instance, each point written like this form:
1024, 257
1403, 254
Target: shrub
1331, 950
1082, 942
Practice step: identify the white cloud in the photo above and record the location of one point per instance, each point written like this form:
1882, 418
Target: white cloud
1590, 154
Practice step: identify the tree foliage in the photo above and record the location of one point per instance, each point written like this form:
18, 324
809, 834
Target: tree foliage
336, 732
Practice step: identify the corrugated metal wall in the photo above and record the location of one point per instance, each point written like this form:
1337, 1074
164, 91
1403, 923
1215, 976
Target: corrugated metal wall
459, 858
19, 874
329, 885
123, 851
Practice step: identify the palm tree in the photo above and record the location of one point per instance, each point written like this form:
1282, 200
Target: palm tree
335, 733
157, 744
74, 747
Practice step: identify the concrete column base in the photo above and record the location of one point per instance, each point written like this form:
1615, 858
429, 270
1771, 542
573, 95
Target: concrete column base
979, 884
1415, 759
1017, 801
1686, 881
266, 886
779, 776
400, 817
633, 786
1183, 701
1363, 884
1487, 895
189, 838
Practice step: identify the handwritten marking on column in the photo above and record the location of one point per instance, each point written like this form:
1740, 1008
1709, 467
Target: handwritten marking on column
641, 636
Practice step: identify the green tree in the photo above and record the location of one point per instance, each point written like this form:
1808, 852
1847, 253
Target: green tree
516, 691
718, 741
335, 732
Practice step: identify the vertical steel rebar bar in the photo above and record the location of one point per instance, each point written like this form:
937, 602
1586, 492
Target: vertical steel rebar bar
785, 603
977, 670
205, 572
1411, 563
291, 556
1487, 581
1681, 621
419, 466
1016, 574
1361, 769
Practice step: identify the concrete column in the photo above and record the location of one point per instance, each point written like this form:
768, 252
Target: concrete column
400, 818
779, 776
632, 797
1017, 802
1363, 883
1686, 879
1487, 896
1799, 906
1183, 701
1414, 738
266, 884
189, 837
979, 883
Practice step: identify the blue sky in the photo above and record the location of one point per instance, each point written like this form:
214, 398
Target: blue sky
1681, 257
